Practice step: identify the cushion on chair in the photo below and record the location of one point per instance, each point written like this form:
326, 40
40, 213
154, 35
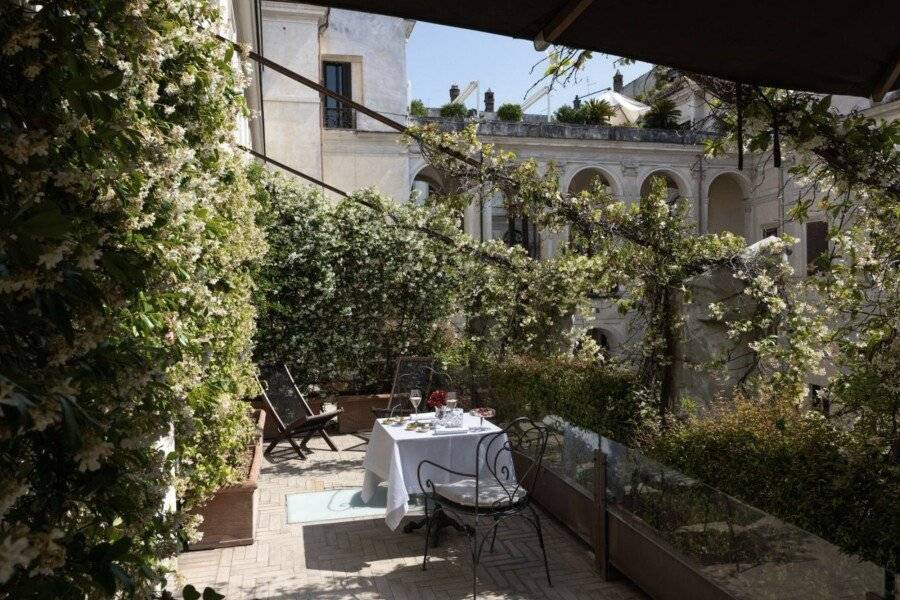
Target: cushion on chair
490, 493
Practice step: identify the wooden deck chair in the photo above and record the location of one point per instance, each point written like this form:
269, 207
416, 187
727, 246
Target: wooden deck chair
309, 411
304, 426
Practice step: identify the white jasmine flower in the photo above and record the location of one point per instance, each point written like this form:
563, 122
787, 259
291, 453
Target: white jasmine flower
89, 456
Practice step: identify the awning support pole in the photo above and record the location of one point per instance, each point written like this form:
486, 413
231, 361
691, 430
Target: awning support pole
887, 82
739, 101
559, 23
293, 171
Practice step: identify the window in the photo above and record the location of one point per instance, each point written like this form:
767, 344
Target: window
816, 246
517, 231
819, 400
769, 231
336, 115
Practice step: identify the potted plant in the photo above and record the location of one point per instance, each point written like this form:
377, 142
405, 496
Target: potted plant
510, 112
228, 519
453, 110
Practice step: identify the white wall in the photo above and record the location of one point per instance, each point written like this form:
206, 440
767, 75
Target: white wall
293, 116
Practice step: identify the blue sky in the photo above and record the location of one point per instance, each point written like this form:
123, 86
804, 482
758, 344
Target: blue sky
438, 56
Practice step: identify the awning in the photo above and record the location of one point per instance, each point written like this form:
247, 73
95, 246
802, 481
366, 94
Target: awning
828, 47
628, 110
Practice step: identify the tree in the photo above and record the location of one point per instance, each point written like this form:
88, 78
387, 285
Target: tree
597, 112
662, 115
510, 112
847, 167
647, 248
453, 110
592, 112
567, 114
417, 108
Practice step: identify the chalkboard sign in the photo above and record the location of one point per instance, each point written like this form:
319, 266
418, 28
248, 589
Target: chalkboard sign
412, 373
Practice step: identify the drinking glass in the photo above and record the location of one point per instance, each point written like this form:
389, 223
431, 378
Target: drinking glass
415, 398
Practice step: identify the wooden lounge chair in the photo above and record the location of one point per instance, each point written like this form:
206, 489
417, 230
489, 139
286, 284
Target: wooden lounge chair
293, 417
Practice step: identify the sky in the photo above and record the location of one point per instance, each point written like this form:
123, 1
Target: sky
438, 56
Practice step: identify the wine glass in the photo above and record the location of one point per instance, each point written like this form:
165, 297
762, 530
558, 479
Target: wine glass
415, 398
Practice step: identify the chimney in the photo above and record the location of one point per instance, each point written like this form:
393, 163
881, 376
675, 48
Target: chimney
577, 102
489, 101
617, 82
454, 92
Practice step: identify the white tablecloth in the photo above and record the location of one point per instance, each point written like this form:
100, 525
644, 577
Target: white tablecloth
394, 455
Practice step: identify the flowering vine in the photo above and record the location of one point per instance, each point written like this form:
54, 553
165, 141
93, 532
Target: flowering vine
127, 238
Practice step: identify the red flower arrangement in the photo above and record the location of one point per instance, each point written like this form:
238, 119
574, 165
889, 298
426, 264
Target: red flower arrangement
437, 398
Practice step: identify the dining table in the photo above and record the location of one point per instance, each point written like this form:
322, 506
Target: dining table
395, 452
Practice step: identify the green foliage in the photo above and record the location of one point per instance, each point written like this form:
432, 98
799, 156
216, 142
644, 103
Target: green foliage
453, 110
798, 466
597, 112
596, 396
662, 115
510, 112
591, 112
341, 292
417, 108
568, 114
647, 248
127, 239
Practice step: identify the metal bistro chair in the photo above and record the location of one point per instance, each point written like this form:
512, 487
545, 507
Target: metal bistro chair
493, 493
411, 372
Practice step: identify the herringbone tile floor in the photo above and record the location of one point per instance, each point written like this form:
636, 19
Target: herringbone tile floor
364, 559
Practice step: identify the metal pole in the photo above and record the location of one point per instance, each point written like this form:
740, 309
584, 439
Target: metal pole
293, 171
601, 531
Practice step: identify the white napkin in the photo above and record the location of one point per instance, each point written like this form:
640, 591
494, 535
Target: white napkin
450, 430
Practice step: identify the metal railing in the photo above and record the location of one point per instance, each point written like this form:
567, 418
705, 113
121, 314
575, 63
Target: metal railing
338, 117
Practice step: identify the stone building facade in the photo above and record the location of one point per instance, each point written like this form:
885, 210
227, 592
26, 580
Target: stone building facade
364, 56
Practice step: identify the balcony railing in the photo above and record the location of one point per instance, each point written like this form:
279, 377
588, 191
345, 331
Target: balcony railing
339, 117
553, 130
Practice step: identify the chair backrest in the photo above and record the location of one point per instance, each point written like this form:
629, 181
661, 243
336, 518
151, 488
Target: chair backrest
412, 372
521, 443
300, 395
269, 407
281, 392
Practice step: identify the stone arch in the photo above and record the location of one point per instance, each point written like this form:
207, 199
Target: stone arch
678, 187
603, 337
425, 181
726, 202
583, 177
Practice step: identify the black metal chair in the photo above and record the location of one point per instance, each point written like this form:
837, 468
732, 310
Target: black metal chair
481, 501
411, 372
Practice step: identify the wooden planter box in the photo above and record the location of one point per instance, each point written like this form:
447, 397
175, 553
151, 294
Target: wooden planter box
229, 518
357, 415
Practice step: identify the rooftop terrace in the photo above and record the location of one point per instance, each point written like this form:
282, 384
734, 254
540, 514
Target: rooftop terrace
540, 128
362, 558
